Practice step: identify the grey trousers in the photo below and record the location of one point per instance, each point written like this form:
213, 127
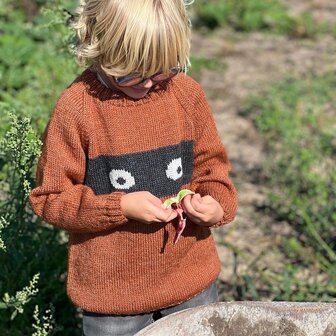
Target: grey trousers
95, 324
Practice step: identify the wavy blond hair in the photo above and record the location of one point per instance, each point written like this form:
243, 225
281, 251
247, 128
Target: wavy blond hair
133, 36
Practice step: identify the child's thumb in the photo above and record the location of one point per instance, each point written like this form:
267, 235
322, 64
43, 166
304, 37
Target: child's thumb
198, 197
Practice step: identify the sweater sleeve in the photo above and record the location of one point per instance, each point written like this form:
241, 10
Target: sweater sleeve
211, 163
60, 197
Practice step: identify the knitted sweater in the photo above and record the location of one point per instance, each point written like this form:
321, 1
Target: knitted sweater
100, 144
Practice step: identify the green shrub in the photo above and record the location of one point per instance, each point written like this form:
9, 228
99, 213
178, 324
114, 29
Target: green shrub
29, 247
257, 15
35, 66
35, 62
245, 15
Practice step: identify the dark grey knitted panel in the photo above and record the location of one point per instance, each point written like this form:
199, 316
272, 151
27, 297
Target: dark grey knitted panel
161, 171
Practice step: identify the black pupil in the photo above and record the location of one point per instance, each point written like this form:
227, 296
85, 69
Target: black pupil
179, 170
121, 180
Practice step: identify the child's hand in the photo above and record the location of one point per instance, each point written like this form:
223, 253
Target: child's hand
204, 211
145, 207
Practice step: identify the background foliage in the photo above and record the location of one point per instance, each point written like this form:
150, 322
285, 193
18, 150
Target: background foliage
35, 66
257, 15
297, 121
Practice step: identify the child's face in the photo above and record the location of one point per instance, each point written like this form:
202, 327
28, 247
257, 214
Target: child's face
135, 92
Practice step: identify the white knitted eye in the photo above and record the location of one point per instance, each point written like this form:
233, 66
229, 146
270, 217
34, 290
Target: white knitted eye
174, 169
121, 179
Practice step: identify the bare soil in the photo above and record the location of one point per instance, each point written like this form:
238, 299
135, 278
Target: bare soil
251, 63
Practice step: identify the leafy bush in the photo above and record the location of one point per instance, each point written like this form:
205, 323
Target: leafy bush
35, 62
297, 121
256, 15
30, 247
35, 66
244, 15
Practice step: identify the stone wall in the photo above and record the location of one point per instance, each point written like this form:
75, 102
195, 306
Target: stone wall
249, 319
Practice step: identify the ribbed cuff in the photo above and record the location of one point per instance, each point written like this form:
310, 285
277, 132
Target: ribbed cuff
114, 209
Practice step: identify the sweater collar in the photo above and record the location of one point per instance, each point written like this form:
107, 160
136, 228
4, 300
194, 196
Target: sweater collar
97, 88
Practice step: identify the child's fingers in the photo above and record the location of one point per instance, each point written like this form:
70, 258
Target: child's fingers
171, 216
198, 205
198, 197
207, 199
188, 207
167, 215
157, 214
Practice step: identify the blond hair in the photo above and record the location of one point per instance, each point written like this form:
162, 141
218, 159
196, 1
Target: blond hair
133, 36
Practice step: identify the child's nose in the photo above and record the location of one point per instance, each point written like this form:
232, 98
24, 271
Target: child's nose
148, 84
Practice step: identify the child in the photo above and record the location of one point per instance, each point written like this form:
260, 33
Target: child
131, 131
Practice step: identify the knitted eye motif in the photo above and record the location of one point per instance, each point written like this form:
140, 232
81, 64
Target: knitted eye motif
174, 169
121, 179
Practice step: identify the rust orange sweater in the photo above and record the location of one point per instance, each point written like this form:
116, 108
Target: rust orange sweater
100, 144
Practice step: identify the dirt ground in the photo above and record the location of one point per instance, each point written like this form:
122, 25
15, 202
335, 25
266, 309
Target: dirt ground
251, 63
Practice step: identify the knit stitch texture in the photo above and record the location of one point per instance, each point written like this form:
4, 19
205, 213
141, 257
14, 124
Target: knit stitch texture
100, 144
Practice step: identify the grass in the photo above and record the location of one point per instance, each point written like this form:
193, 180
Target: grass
297, 122
198, 63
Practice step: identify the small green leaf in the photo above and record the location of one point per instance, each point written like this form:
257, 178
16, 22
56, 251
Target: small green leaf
13, 315
183, 193
168, 202
3, 305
